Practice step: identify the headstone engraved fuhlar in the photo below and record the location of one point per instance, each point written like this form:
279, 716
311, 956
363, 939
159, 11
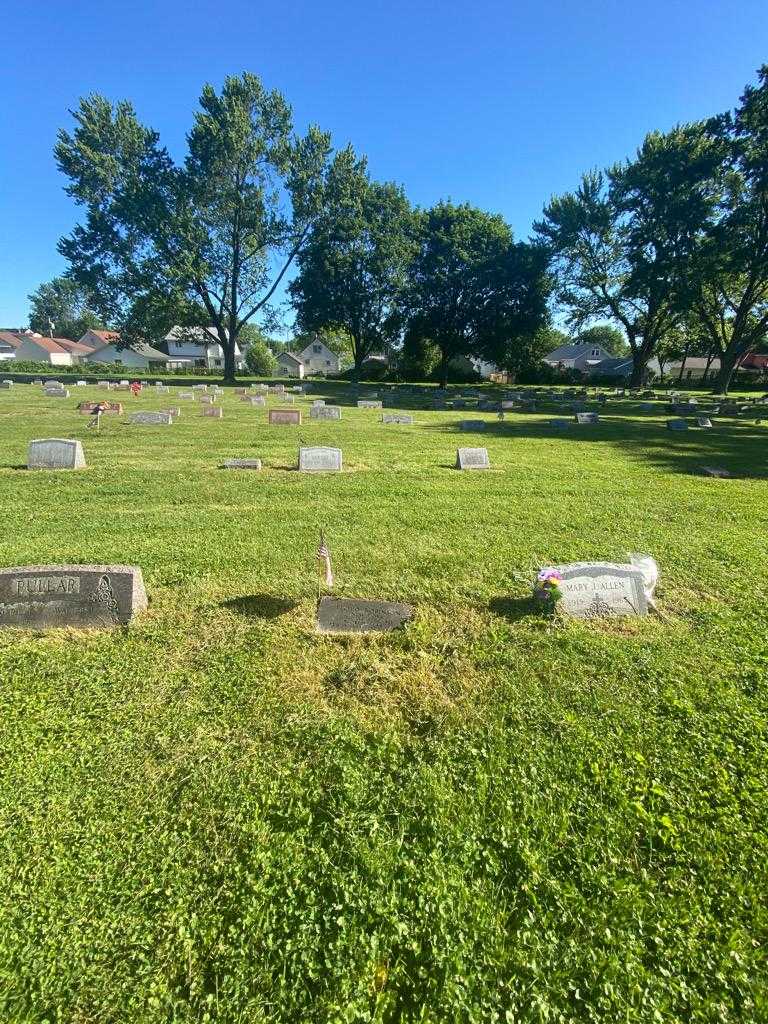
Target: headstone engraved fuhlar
83, 596
597, 589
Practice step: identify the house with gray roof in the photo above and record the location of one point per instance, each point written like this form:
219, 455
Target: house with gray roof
577, 357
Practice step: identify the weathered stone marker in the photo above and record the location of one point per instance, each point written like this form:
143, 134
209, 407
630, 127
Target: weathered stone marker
347, 615
585, 418
213, 411
391, 417
472, 458
285, 417
597, 589
256, 400
716, 471
367, 404
113, 407
84, 596
677, 425
704, 422
560, 424
325, 412
152, 419
55, 453
56, 393
320, 460
472, 425
242, 464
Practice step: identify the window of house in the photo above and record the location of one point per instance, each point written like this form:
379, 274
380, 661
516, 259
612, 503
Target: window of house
688, 374
217, 362
327, 362
595, 351
317, 349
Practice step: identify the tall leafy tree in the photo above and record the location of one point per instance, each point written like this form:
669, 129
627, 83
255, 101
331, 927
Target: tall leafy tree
66, 304
732, 265
622, 243
352, 271
204, 242
474, 292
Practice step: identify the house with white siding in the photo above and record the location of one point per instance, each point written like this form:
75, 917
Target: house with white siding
196, 346
137, 356
318, 358
37, 348
290, 365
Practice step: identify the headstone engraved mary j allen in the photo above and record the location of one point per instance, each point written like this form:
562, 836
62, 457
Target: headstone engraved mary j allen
598, 589
83, 596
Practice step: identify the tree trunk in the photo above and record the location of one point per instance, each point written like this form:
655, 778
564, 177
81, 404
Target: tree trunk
229, 362
443, 368
710, 357
682, 365
728, 361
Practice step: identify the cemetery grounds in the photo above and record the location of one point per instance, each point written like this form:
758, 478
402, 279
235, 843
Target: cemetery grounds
217, 814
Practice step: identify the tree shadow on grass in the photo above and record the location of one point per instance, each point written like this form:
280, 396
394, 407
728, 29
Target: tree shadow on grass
739, 446
259, 606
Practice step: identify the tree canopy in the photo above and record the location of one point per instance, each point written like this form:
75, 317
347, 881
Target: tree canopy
65, 304
207, 241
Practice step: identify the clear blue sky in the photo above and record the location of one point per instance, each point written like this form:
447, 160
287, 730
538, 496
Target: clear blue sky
498, 103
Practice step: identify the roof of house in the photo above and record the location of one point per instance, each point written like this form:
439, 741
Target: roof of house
56, 346
756, 360
108, 336
140, 348
569, 352
290, 355
10, 338
614, 364
695, 363
194, 335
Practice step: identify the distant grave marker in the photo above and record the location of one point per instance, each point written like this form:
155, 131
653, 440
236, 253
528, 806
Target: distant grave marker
214, 412
151, 419
106, 407
364, 403
325, 412
677, 424
55, 453
472, 458
242, 464
390, 417
587, 418
320, 460
704, 422
473, 425
285, 417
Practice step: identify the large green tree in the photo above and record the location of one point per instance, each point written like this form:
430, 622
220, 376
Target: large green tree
352, 271
474, 291
622, 243
606, 336
732, 261
206, 241
65, 304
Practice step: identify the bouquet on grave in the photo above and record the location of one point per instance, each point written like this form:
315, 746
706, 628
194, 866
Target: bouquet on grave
547, 590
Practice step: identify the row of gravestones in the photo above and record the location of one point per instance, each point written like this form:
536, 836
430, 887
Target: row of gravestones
65, 453
100, 596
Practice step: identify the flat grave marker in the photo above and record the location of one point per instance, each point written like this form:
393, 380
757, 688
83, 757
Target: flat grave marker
213, 412
587, 418
350, 615
396, 417
151, 419
472, 425
677, 424
365, 403
242, 464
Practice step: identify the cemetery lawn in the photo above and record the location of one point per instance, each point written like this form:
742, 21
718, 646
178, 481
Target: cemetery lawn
219, 815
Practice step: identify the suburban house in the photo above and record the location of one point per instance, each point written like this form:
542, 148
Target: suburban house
289, 365
755, 361
139, 355
695, 368
9, 342
318, 358
56, 351
94, 338
196, 347
577, 357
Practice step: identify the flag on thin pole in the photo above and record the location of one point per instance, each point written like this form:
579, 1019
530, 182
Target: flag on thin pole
324, 562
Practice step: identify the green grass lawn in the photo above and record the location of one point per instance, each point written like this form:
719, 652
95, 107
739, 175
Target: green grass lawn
219, 815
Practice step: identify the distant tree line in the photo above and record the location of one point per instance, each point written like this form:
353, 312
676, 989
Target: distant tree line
664, 255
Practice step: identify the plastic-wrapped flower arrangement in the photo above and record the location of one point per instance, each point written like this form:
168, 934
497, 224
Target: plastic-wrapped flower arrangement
547, 591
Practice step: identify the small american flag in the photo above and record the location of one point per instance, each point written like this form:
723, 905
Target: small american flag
324, 562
